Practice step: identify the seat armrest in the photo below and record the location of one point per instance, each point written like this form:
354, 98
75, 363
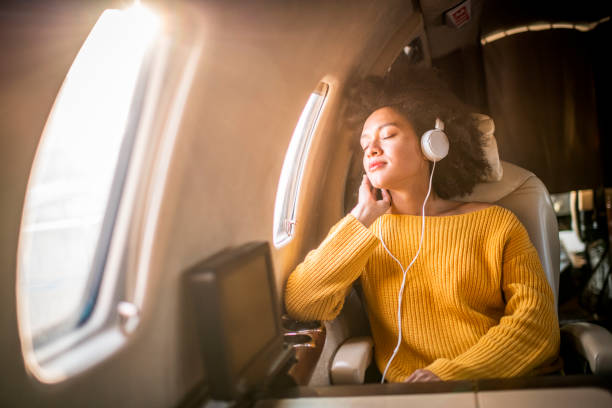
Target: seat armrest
351, 361
593, 343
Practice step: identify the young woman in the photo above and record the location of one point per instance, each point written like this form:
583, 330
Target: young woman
453, 290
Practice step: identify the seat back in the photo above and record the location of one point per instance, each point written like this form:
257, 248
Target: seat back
521, 192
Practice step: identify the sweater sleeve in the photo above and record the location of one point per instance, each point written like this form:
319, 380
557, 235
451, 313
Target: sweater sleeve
527, 335
317, 287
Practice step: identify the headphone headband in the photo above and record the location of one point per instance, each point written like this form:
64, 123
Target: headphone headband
434, 142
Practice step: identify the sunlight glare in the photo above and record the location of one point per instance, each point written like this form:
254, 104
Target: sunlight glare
75, 166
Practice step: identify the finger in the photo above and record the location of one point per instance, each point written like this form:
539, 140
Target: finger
410, 378
433, 377
365, 189
414, 377
368, 184
424, 376
365, 183
386, 196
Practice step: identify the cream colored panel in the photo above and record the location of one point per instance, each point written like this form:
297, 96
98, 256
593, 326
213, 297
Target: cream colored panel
351, 361
258, 63
458, 400
557, 398
592, 342
525, 195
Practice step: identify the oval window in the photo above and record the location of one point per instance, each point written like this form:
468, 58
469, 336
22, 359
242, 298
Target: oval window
77, 176
285, 209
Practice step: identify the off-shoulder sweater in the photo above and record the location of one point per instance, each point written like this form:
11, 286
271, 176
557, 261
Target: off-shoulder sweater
476, 303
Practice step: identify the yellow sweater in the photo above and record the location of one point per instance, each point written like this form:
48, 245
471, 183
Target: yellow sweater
476, 304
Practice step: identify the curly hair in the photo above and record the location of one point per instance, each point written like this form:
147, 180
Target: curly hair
421, 97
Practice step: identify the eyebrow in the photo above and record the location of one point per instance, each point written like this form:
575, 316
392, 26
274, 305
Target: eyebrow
380, 127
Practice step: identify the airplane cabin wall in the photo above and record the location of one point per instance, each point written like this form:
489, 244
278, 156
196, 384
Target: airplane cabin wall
258, 64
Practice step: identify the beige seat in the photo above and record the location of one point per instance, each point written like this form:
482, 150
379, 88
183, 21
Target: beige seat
525, 195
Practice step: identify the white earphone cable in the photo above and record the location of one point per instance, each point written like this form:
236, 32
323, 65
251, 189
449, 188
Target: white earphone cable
401, 292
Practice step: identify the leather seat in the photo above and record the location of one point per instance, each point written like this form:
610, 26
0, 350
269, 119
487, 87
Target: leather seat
525, 195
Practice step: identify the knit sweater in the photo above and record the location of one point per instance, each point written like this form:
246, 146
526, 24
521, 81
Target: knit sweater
476, 303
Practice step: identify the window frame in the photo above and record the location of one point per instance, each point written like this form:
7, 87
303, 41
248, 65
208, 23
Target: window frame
90, 293
294, 164
156, 109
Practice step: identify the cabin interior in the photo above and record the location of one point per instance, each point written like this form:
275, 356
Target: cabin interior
141, 138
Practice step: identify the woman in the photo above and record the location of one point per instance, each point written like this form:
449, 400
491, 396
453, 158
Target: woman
463, 279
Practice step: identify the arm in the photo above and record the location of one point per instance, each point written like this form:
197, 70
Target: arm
527, 336
318, 286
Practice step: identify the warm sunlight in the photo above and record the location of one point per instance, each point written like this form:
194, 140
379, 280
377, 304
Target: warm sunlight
74, 171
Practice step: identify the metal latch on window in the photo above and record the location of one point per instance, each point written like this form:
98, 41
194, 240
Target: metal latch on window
129, 316
289, 226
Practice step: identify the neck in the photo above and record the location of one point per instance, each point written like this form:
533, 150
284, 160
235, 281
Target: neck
410, 201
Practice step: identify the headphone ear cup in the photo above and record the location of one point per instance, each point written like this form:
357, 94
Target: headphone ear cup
434, 144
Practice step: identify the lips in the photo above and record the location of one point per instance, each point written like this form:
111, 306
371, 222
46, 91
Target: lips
376, 165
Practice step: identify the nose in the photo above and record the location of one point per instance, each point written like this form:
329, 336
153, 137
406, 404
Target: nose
373, 149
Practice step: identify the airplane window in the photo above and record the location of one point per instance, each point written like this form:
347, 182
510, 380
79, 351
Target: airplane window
285, 209
77, 176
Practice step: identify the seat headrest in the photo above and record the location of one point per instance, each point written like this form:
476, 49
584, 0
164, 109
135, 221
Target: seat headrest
492, 191
486, 126
504, 177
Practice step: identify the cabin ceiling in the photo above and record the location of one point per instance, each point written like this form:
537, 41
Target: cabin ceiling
443, 39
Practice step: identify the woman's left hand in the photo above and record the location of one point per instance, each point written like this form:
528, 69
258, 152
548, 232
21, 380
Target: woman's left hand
422, 376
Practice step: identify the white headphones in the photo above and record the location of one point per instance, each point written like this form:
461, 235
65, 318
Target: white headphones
434, 142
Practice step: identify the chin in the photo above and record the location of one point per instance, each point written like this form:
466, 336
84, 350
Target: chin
378, 183
381, 179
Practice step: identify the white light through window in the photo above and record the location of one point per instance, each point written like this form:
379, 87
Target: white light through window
285, 209
68, 212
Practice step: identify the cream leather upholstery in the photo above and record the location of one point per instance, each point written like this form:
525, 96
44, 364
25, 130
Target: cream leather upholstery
351, 361
521, 192
486, 127
593, 343
525, 195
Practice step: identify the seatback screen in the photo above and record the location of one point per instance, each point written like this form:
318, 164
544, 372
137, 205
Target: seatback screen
248, 311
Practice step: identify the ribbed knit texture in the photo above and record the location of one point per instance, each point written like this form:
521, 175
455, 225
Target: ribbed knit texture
476, 304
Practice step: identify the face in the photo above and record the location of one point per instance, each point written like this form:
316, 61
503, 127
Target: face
392, 156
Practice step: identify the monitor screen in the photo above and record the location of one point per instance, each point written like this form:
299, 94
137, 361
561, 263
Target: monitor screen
234, 298
248, 313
